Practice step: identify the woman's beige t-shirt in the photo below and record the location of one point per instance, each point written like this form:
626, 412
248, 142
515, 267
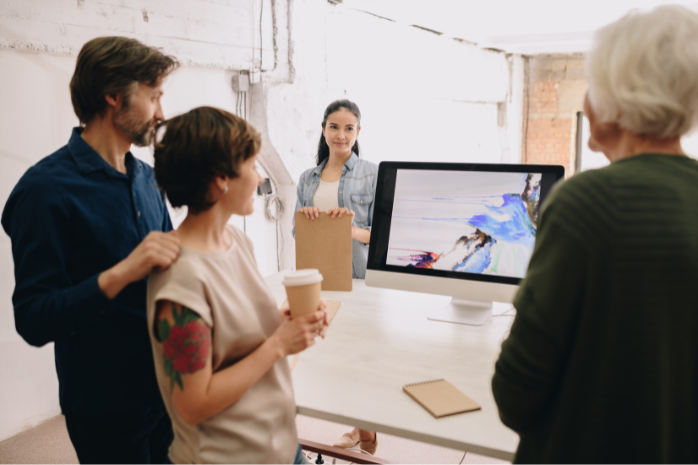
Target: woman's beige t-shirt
229, 294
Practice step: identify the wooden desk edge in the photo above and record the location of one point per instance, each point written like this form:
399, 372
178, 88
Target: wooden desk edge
407, 434
341, 454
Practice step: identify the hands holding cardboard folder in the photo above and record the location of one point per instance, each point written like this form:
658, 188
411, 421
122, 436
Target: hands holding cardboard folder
314, 212
358, 234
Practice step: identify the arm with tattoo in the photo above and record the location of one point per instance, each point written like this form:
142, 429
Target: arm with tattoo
197, 393
186, 344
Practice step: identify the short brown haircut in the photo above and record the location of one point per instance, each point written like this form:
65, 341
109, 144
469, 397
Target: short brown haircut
114, 65
198, 146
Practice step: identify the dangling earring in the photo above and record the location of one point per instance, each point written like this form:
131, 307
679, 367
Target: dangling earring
225, 191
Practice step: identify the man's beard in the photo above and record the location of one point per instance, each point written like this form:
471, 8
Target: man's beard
127, 120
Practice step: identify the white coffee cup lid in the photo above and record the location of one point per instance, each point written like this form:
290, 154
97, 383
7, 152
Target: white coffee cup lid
302, 277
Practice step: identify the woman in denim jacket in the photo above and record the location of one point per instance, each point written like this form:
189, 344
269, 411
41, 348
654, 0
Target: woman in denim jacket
340, 184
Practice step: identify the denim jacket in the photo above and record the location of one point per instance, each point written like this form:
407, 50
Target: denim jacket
357, 189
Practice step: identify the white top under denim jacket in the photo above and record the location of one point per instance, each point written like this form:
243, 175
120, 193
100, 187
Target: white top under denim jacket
357, 189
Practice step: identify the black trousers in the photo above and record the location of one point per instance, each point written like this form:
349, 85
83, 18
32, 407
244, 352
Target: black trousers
134, 440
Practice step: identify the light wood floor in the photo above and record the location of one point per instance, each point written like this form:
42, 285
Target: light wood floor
49, 443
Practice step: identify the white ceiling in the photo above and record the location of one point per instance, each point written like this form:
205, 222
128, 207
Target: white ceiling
515, 26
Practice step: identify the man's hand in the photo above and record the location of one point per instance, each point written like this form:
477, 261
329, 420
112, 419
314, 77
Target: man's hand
158, 250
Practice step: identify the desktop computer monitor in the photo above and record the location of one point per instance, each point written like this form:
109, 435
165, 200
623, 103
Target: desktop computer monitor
463, 230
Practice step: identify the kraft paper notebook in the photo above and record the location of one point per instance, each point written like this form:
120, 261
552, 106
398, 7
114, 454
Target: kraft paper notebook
440, 398
325, 244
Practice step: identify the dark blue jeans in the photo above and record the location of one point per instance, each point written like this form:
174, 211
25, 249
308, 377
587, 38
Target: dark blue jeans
300, 458
134, 440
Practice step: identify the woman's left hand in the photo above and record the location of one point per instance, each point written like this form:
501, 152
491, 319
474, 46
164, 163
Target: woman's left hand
338, 212
285, 313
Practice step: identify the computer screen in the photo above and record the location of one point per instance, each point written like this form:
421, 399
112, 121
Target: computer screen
463, 221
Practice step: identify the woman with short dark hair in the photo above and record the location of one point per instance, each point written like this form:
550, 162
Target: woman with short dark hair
600, 364
219, 342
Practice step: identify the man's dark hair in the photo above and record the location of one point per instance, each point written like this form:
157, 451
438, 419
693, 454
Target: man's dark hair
198, 146
114, 65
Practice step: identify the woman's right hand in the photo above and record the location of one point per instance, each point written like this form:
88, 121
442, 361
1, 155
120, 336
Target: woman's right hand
310, 212
297, 334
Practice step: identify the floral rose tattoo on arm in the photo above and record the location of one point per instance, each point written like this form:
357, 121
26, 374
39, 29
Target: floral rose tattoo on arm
185, 344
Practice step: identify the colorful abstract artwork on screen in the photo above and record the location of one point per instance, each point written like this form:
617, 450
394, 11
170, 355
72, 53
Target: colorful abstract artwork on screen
471, 222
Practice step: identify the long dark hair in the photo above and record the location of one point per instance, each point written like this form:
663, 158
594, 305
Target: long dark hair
323, 150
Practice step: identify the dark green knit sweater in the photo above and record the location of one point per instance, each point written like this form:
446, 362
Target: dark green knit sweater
601, 363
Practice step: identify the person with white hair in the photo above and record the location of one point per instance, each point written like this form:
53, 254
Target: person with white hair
601, 362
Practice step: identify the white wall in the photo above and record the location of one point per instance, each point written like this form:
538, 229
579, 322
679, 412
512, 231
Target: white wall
207, 33
690, 144
35, 119
592, 160
423, 97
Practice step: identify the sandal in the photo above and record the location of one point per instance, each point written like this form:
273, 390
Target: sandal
346, 441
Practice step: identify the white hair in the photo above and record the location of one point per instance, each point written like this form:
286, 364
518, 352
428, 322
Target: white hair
643, 72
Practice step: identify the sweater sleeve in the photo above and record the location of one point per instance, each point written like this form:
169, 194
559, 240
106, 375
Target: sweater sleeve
548, 303
47, 305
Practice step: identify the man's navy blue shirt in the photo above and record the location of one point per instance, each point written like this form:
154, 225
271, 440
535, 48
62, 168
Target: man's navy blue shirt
71, 217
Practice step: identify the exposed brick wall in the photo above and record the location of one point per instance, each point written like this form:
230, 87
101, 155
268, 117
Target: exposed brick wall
555, 93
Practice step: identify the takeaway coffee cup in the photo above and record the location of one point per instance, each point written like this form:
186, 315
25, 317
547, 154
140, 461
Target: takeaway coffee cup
303, 291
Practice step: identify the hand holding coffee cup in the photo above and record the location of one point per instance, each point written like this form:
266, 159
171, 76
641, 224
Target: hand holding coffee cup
297, 334
303, 291
285, 313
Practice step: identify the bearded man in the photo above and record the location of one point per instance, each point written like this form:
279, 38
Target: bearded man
87, 225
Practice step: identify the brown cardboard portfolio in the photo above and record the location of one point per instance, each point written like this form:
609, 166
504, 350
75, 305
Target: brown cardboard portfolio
325, 244
440, 398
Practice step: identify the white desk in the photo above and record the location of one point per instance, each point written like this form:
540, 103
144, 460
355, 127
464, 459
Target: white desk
381, 340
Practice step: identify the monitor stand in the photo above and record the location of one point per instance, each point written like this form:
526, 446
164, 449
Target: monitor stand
463, 312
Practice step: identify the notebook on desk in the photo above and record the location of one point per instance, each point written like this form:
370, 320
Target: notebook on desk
440, 398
